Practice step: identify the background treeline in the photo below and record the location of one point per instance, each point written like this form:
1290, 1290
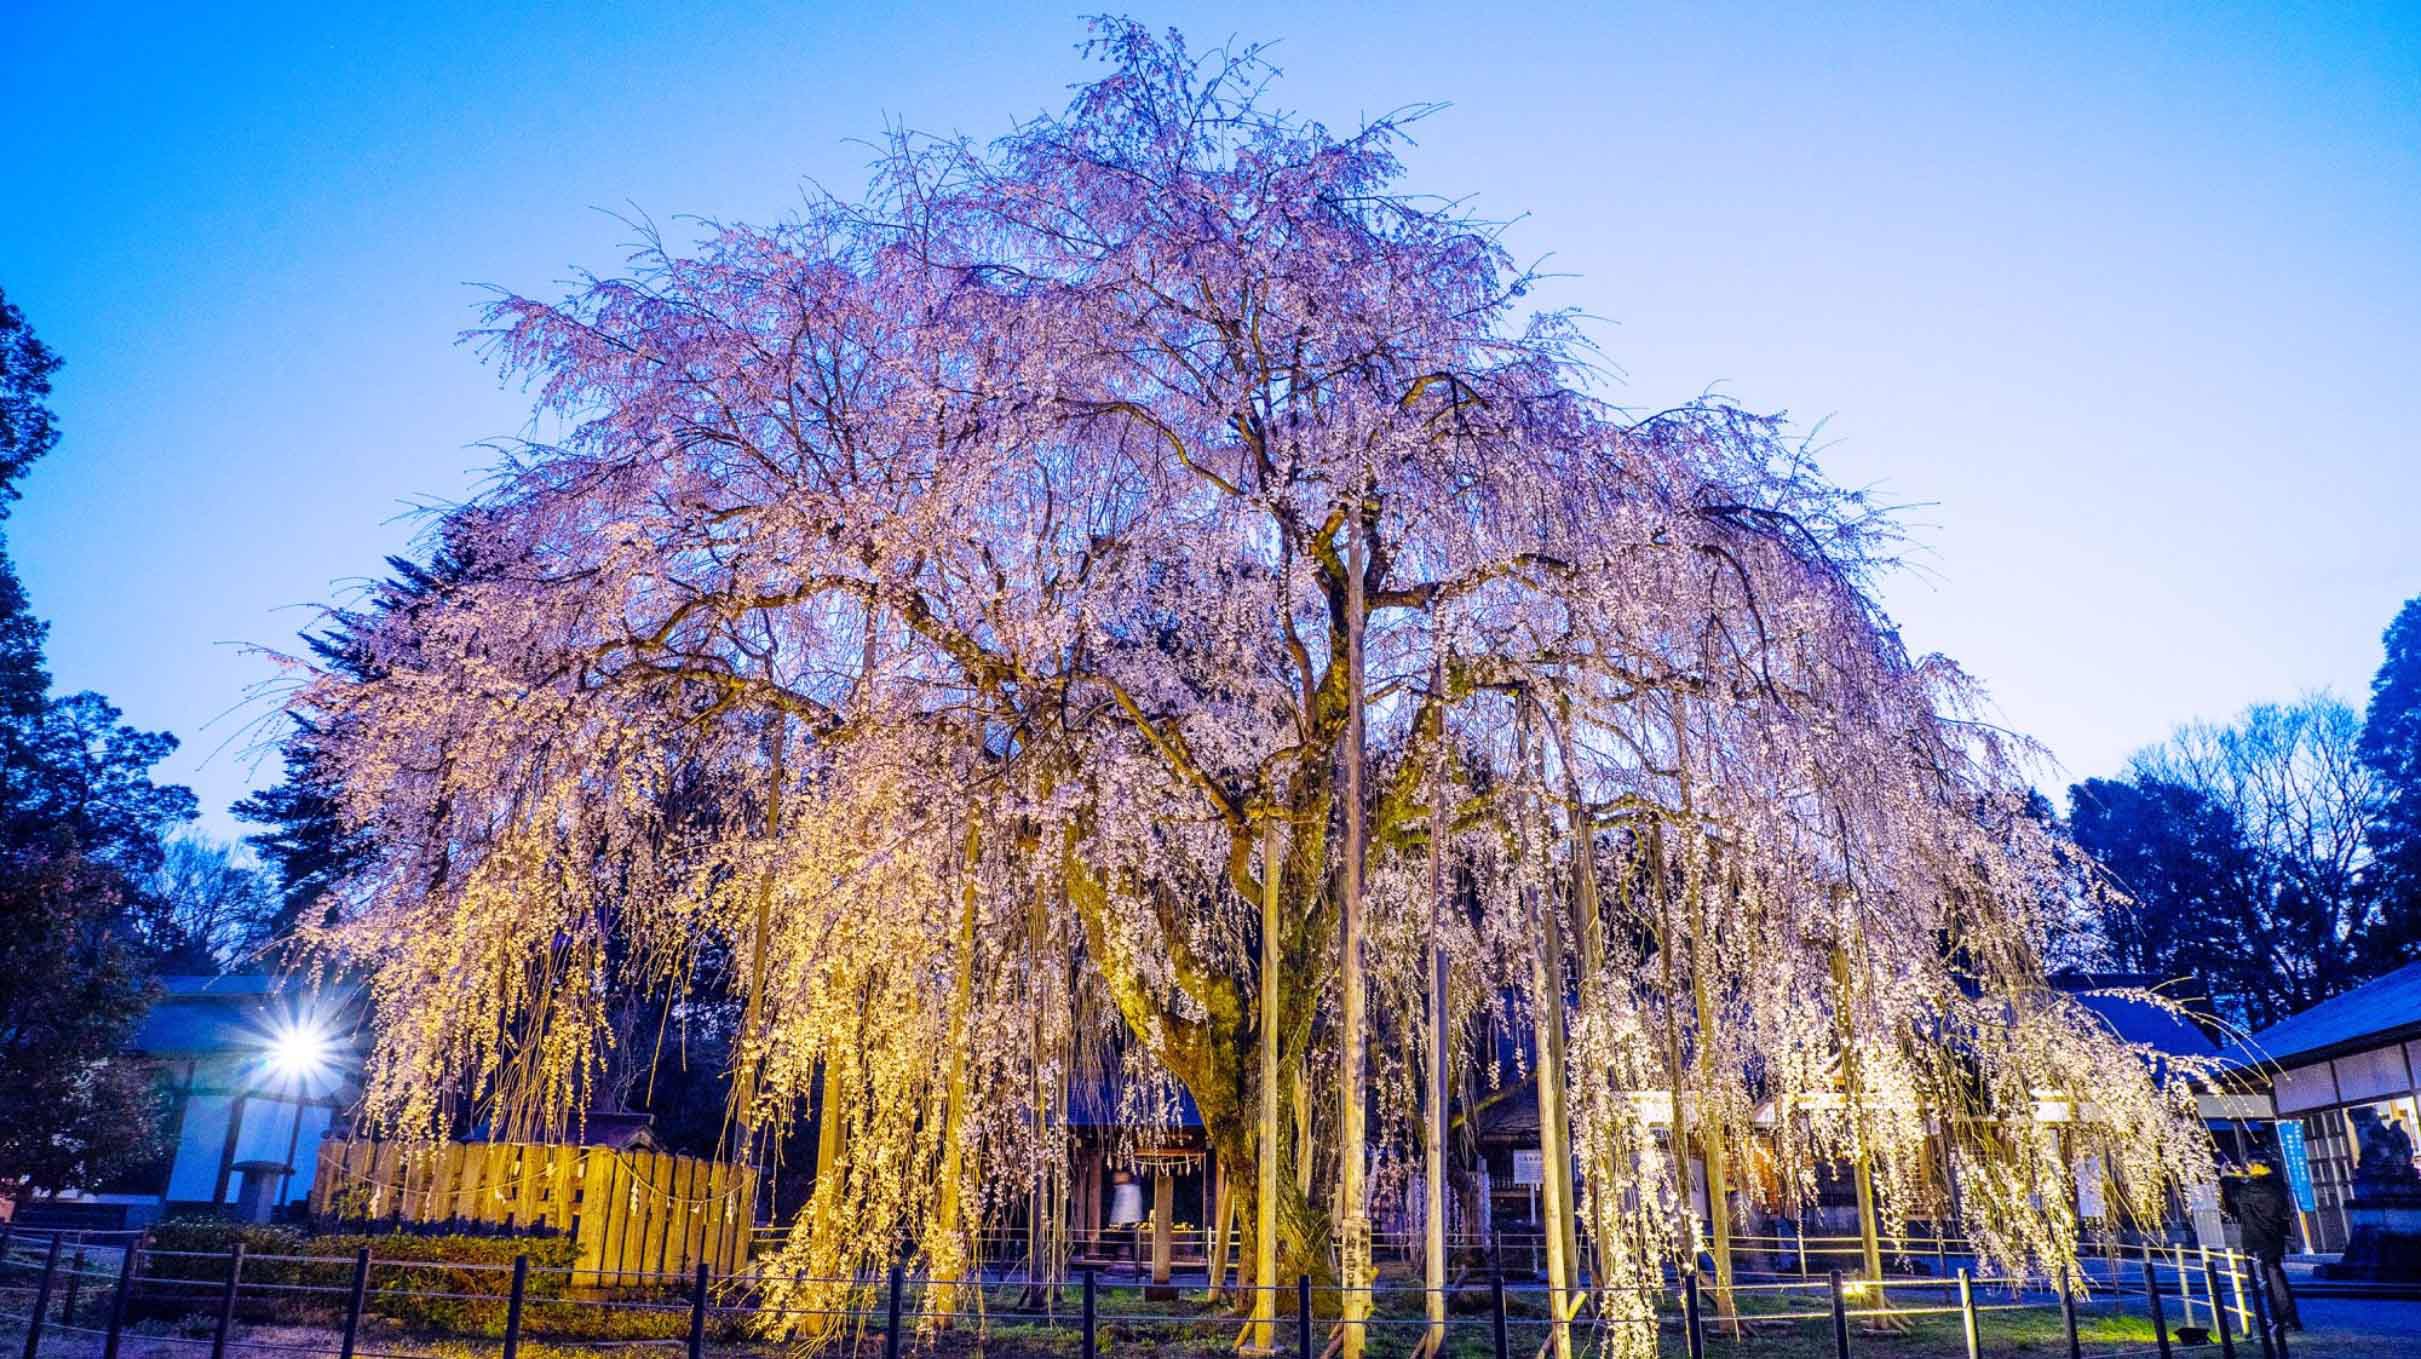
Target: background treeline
102, 888
2274, 861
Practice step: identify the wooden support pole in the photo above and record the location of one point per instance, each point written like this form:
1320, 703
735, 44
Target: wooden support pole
1433, 1123
1353, 1021
1265, 1168
1967, 1327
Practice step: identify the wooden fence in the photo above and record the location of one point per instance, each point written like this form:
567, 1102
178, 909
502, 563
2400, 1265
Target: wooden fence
632, 1213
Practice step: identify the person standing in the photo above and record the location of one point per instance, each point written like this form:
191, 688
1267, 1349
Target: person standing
1126, 1214
2258, 1201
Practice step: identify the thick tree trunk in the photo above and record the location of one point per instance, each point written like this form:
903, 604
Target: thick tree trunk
1853, 1087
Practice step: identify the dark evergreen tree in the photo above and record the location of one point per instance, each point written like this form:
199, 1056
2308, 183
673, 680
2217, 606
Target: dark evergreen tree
306, 839
80, 828
2391, 747
2190, 878
26, 433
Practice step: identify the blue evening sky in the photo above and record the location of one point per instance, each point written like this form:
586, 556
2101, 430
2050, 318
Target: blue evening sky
2128, 297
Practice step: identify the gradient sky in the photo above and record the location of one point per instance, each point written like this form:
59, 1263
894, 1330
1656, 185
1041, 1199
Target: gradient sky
2127, 299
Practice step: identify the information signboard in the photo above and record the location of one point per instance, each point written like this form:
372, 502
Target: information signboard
2298, 1162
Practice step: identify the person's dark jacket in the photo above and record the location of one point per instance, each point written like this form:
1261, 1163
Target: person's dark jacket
2259, 1204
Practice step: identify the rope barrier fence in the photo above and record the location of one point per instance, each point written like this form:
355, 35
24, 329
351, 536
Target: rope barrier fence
72, 1287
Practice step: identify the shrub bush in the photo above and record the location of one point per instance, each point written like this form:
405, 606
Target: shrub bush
443, 1282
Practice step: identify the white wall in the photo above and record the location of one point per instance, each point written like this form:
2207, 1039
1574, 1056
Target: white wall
195, 1173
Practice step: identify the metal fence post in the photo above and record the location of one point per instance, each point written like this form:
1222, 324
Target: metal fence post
2068, 1312
1840, 1316
2160, 1318
1967, 1312
891, 1314
1496, 1311
235, 1278
697, 1312
1091, 1346
512, 1306
75, 1284
33, 1323
2219, 1319
1303, 1316
117, 1300
354, 1300
1691, 1328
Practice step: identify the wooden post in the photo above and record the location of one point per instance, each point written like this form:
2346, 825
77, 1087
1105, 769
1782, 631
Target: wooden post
1967, 1328
1840, 1317
1433, 1124
117, 1300
235, 1276
2160, 1318
50, 1271
1164, 1230
1221, 1206
512, 1307
353, 1301
1353, 1208
1265, 1169
2185, 1285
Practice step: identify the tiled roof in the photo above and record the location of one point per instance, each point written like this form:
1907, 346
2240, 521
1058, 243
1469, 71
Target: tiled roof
2379, 1006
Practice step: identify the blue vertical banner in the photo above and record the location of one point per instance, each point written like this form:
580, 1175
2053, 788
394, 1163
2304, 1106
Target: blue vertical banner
2298, 1162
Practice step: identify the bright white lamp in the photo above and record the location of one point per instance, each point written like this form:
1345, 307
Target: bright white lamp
299, 1051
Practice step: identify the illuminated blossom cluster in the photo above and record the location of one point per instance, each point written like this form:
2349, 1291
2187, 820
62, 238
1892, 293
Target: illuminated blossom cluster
930, 606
